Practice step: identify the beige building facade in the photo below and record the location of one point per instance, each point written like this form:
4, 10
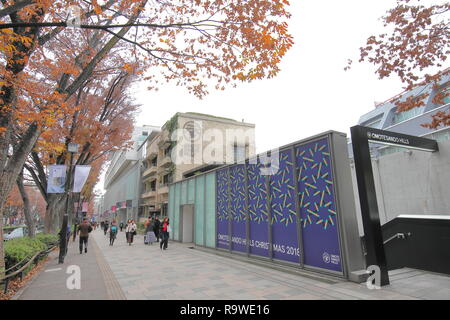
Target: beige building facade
187, 144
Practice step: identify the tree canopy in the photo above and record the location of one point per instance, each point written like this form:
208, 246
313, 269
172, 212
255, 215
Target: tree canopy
59, 59
415, 47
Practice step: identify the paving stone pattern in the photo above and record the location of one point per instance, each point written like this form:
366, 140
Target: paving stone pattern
145, 272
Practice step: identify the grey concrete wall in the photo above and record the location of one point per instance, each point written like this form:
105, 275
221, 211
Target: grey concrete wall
410, 182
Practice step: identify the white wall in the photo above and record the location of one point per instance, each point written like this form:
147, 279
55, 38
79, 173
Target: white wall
412, 182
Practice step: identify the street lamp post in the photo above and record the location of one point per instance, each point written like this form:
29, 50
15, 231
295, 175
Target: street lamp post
72, 148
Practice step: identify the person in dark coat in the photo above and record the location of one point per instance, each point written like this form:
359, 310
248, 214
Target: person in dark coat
83, 230
113, 232
156, 228
106, 227
149, 233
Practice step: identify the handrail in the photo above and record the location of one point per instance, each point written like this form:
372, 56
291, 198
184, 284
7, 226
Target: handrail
397, 236
22, 268
6, 271
6, 278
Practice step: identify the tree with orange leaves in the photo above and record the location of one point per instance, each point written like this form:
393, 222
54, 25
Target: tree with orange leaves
102, 122
414, 50
198, 44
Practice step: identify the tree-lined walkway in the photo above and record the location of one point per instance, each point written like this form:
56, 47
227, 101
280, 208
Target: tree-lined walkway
97, 281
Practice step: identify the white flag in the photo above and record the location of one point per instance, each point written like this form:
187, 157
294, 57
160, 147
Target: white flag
81, 175
56, 178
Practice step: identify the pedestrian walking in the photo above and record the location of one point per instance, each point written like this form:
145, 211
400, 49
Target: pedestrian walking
157, 228
149, 233
130, 231
106, 227
83, 230
165, 233
113, 232
68, 237
75, 228
121, 226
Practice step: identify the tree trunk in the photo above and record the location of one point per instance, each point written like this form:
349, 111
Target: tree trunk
11, 172
26, 207
54, 212
2, 255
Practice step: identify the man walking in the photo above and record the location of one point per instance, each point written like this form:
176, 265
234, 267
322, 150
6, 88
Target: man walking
106, 227
84, 229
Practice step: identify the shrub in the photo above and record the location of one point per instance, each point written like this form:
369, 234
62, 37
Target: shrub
48, 239
16, 250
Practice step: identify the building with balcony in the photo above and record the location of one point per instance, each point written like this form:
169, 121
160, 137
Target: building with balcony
122, 198
190, 143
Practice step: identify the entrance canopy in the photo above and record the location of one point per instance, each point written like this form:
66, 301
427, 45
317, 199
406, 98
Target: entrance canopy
361, 136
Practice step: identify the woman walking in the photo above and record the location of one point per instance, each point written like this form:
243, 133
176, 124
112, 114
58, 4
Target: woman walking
130, 231
112, 232
165, 232
149, 233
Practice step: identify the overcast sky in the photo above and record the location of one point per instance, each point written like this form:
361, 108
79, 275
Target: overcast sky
312, 93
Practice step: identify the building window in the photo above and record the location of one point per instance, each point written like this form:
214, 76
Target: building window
166, 179
145, 133
167, 151
403, 116
154, 162
238, 153
164, 209
374, 122
153, 185
446, 94
441, 135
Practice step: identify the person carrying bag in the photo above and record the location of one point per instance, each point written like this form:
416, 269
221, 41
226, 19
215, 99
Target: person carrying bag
131, 231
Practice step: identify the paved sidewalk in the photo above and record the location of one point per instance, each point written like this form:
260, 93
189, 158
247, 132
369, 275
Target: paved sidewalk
144, 272
180, 273
97, 280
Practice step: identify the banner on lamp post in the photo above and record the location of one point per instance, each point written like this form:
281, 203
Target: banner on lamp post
85, 206
81, 175
56, 178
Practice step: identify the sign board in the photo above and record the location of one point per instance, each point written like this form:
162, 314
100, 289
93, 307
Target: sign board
81, 175
56, 179
398, 139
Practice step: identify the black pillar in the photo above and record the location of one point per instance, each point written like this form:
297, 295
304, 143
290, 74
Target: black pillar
368, 201
63, 235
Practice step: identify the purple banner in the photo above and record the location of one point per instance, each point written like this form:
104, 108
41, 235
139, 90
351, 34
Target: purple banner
302, 197
238, 210
223, 239
317, 206
258, 213
284, 215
